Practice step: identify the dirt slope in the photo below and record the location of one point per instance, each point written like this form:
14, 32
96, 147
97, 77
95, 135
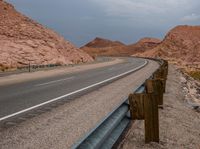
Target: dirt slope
23, 40
181, 45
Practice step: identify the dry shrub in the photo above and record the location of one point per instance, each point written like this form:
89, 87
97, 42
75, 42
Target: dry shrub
195, 74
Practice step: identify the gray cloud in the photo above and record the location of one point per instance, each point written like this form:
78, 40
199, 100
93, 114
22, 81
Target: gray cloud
127, 20
130, 7
191, 18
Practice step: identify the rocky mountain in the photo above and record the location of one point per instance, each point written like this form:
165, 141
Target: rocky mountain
100, 46
181, 45
24, 41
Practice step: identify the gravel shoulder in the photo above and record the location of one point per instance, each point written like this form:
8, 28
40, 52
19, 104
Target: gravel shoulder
179, 122
63, 126
16, 78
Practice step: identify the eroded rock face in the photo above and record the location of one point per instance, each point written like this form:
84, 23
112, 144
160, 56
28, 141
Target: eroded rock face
181, 45
23, 40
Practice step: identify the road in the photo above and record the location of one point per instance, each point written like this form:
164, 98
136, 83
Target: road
21, 97
64, 125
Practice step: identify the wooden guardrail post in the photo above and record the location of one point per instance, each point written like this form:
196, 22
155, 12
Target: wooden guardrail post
156, 87
151, 118
161, 75
136, 102
166, 65
29, 67
144, 106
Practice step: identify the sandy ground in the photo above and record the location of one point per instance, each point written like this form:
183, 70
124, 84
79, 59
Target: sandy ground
63, 126
179, 122
48, 73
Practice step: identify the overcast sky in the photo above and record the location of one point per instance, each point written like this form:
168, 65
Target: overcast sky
79, 21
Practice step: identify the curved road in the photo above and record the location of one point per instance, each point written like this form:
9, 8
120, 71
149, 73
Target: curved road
21, 97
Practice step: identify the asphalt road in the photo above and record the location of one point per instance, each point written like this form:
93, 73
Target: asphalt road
20, 96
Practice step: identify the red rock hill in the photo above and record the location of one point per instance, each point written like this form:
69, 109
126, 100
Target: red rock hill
101, 43
105, 47
23, 40
181, 45
100, 46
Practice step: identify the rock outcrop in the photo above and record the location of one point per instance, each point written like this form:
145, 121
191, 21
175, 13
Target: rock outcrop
24, 41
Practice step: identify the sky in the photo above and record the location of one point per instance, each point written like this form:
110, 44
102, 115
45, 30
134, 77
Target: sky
80, 21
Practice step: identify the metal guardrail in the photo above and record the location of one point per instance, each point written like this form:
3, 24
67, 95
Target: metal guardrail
108, 131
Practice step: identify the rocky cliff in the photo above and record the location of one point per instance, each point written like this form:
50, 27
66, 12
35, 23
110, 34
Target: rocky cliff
24, 41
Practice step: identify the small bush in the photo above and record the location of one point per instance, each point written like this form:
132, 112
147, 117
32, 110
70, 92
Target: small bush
4, 68
195, 74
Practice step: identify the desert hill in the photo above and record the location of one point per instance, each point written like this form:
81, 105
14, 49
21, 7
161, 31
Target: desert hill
23, 40
105, 47
101, 43
181, 45
100, 46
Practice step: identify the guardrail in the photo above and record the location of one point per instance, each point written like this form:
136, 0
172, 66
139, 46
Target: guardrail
106, 133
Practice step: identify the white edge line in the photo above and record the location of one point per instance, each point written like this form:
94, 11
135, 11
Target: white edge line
74, 92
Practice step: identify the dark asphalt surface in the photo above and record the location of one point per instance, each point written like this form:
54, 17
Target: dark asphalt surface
20, 96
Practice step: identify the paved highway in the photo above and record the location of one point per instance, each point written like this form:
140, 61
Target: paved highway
21, 97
